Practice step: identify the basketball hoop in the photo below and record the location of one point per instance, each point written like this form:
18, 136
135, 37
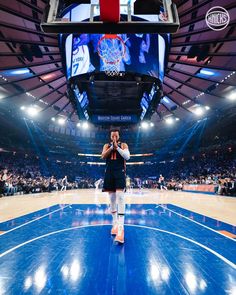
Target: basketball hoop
112, 50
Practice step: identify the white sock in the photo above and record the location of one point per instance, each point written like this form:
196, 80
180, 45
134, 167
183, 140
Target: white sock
121, 210
121, 219
114, 217
113, 207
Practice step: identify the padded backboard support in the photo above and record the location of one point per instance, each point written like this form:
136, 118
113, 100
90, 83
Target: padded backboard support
110, 11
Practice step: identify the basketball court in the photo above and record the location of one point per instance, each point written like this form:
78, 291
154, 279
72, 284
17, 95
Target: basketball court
176, 243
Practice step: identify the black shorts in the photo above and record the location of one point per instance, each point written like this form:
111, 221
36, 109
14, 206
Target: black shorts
113, 180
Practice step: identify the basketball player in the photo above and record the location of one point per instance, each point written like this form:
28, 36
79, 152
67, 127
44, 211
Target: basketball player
162, 182
98, 183
64, 184
128, 184
116, 155
80, 57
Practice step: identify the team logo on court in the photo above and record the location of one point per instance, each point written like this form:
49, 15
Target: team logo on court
217, 18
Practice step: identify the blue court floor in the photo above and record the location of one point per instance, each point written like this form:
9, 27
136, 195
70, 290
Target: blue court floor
67, 249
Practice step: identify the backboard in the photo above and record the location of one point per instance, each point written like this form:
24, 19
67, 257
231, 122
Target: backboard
133, 16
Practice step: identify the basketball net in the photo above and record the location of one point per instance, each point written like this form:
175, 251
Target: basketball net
111, 49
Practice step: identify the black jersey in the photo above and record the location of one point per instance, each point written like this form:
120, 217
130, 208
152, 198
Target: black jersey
115, 172
115, 161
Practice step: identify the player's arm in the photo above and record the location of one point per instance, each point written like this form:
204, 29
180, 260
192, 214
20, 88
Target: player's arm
124, 151
84, 39
106, 151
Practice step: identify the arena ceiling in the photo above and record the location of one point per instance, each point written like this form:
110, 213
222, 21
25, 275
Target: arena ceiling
201, 67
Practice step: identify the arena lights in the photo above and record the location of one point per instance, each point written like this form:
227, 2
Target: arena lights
227, 77
32, 111
146, 125
186, 102
53, 119
232, 95
85, 125
30, 94
222, 81
169, 120
207, 72
61, 121
20, 71
3, 78
199, 111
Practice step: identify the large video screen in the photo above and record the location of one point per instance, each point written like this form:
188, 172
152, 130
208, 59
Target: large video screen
139, 53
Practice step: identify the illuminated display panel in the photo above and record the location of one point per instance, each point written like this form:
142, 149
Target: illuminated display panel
144, 53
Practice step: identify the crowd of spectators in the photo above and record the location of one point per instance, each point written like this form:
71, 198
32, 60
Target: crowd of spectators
28, 174
26, 183
218, 171
25, 175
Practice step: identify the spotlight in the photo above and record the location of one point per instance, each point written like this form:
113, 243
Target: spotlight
20, 72
144, 125
169, 120
207, 72
199, 111
152, 124
176, 119
207, 108
61, 121
85, 125
232, 95
78, 124
32, 111
22, 108
53, 119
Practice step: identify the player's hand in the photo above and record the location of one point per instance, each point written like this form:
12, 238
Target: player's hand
115, 145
